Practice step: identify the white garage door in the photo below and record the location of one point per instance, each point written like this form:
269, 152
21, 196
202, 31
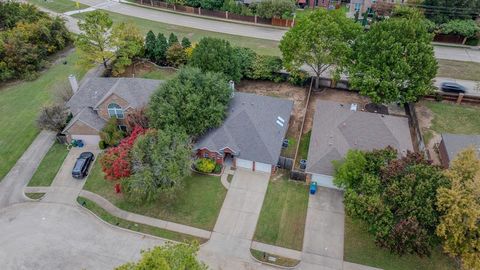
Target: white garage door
87, 139
263, 167
324, 180
243, 163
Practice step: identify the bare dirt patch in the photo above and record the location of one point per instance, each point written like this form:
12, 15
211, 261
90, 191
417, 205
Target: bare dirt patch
146, 69
283, 90
431, 138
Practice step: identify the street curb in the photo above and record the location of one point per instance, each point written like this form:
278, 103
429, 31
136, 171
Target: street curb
204, 17
272, 264
450, 45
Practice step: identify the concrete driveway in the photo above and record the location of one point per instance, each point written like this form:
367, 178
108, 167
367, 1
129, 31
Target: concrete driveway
324, 229
238, 217
65, 188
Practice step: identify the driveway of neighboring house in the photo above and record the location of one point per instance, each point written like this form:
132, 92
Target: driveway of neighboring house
65, 188
238, 217
324, 229
11, 187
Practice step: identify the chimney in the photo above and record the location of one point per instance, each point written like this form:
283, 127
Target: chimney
73, 82
232, 87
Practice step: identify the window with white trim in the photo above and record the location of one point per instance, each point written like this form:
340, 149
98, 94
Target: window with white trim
114, 110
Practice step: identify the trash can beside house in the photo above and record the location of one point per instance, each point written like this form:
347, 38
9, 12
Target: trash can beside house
313, 188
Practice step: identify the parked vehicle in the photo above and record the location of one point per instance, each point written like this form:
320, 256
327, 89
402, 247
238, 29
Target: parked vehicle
453, 87
80, 170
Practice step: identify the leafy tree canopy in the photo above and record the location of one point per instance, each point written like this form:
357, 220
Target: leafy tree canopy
160, 161
128, 41
217, 55
394, 61
194, 100
168, 257
460, 203
442, 11
321, 39
466, 28
395, 197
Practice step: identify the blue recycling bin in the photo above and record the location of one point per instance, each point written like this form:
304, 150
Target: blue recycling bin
80, 143
313, 188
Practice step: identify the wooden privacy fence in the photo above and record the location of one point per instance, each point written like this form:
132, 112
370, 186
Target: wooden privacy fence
217, 13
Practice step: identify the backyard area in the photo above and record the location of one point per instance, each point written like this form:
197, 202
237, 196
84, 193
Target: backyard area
197, 204
436, 118
261, 46
20, 103
147, 70
49, 166
284, 210
360, 248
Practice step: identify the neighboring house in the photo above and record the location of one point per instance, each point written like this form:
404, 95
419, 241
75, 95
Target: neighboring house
338, 128
99, 99
452, 144
252, 134
362, 6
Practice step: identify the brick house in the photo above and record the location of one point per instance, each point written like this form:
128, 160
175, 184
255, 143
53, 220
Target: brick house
339, 127
99, 99
452, 144
362, 6
252, 134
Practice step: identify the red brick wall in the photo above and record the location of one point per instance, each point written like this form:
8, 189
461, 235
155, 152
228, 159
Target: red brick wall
202, 153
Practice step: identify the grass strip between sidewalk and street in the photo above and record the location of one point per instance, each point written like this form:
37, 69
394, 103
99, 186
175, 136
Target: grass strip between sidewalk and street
48, 168
142, 228
35, 195
273, 259
284, 211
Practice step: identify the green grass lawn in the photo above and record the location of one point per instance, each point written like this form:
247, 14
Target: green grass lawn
279, 260
160, 74
360, 248
452, 118
59, 6
284, 210
290, 150
459, 70
49, 166
35, 196
261, 46
304, 144
20, 104
147, 229
197, 204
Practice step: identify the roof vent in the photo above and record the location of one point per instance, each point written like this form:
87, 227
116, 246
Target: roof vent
353, 107
280, 121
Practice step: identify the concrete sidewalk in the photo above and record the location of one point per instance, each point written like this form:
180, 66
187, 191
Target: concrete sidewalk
11, 187
167, 225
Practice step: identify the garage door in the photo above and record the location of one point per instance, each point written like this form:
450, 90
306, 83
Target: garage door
243, 163
87, 139
263, 167
324, 180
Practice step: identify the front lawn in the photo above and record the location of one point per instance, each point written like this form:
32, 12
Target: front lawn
20, 104
360, 248
49, 166
143, 228
282, 219
59, 6
197, 204
261, 46
456, 119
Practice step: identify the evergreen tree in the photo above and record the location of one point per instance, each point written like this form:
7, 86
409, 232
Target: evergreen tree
186, 43
150, 42
160, 51
172, 39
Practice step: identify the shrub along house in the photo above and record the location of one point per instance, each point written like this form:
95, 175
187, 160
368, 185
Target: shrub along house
99, 99
338, 128
251, 136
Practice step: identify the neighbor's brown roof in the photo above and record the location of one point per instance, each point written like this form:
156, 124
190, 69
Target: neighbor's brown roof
336, 129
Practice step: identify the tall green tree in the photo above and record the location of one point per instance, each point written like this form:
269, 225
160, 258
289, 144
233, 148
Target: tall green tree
172, 39
394, 61
194, 101
168, 257
460, 203
160, 50
442, 11
395, 197
186, 43
320, 40
150, 43
95, 42
217, 55
160, 161
128, 42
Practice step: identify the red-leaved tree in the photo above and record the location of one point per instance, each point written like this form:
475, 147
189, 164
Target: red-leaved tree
116, 163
